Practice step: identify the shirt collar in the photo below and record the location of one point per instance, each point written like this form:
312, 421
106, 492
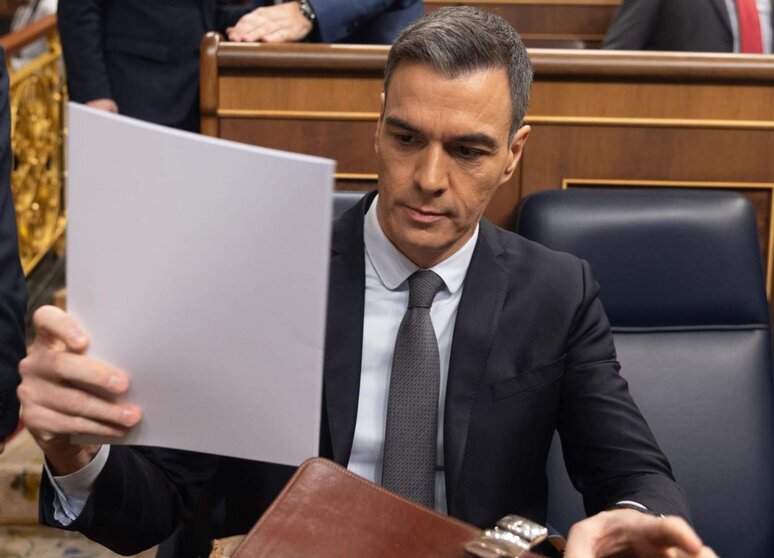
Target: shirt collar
393, 268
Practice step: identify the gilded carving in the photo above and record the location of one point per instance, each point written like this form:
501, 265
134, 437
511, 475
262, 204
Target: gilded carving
37, 99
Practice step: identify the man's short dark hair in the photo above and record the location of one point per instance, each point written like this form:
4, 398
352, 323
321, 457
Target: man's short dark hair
458, 40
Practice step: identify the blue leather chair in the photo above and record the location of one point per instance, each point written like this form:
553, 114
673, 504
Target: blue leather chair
683, 287
343, 200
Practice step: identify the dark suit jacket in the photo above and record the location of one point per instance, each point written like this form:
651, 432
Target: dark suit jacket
13, 293
681, 25
532, 352
144, 54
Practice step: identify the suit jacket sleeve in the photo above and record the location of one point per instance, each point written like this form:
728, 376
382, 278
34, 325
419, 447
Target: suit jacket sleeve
13, 296
80, 28
139, 498
336, 20
610, 452
633, 25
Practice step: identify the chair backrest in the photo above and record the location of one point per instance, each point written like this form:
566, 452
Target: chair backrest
343, 200
682, 284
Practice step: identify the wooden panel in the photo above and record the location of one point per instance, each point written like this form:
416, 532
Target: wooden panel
315, 92
646, 154
547, 23
7, 10
635, 99
350, 143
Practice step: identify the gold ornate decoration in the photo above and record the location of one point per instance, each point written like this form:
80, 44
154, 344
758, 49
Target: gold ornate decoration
37, 98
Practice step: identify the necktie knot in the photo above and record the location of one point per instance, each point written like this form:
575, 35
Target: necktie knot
423, 286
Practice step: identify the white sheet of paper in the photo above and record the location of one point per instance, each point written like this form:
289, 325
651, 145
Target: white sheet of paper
200, 267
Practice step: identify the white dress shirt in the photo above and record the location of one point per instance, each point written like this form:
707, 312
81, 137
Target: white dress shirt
386, 300
764, 15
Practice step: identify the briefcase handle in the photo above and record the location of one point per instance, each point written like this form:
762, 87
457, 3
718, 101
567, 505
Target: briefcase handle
513, 537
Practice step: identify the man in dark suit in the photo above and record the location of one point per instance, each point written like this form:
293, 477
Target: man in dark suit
683, 25
141, 58
522, 344
13, 293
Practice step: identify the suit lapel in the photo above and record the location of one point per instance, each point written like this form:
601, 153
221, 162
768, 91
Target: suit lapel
478, 317
722, 10
344, 334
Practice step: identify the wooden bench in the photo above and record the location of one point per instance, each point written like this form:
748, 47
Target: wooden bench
600, 118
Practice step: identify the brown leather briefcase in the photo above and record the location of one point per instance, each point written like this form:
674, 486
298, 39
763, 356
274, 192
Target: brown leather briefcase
326, 511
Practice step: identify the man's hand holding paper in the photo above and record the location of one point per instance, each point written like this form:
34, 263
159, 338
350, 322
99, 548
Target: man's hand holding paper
65, 391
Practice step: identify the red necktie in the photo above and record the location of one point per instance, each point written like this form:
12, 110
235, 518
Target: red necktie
749, 27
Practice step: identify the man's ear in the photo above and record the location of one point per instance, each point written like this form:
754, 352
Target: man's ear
379, 123
516, 149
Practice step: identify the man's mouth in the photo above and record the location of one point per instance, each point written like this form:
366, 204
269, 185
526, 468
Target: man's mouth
423, 214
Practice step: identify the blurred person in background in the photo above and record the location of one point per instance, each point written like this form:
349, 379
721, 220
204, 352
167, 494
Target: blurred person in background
13, 293
693, 25
25, 15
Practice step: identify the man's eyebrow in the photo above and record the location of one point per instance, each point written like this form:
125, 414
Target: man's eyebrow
398, 123
479, 139
475, 138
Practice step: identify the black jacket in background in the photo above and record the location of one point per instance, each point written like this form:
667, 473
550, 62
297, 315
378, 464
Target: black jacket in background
680, 25
13, 293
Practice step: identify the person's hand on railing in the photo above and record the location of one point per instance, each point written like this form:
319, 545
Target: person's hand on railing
103, 104
282, 23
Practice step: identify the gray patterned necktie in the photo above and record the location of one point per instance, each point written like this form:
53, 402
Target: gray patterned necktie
411, 433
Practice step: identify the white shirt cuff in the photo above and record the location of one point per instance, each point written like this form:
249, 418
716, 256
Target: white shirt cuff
638, 506
633, 503
74, 489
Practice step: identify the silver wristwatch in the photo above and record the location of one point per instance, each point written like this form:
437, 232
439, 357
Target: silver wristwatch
306, 10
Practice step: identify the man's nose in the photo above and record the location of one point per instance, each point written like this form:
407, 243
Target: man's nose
432, 171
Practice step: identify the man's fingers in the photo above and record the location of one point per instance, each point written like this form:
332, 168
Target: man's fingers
57, 424
272, 24
673, 532
260, 31
73, 402
249, 26
631, 533
581, 539
54, 326
279, 36
76, 369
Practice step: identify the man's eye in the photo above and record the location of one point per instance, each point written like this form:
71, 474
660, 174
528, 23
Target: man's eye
405, 139
468, 152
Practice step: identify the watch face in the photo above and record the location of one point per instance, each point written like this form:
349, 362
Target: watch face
306, 10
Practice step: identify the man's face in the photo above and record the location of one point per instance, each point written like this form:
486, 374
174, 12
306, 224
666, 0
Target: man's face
443, 151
